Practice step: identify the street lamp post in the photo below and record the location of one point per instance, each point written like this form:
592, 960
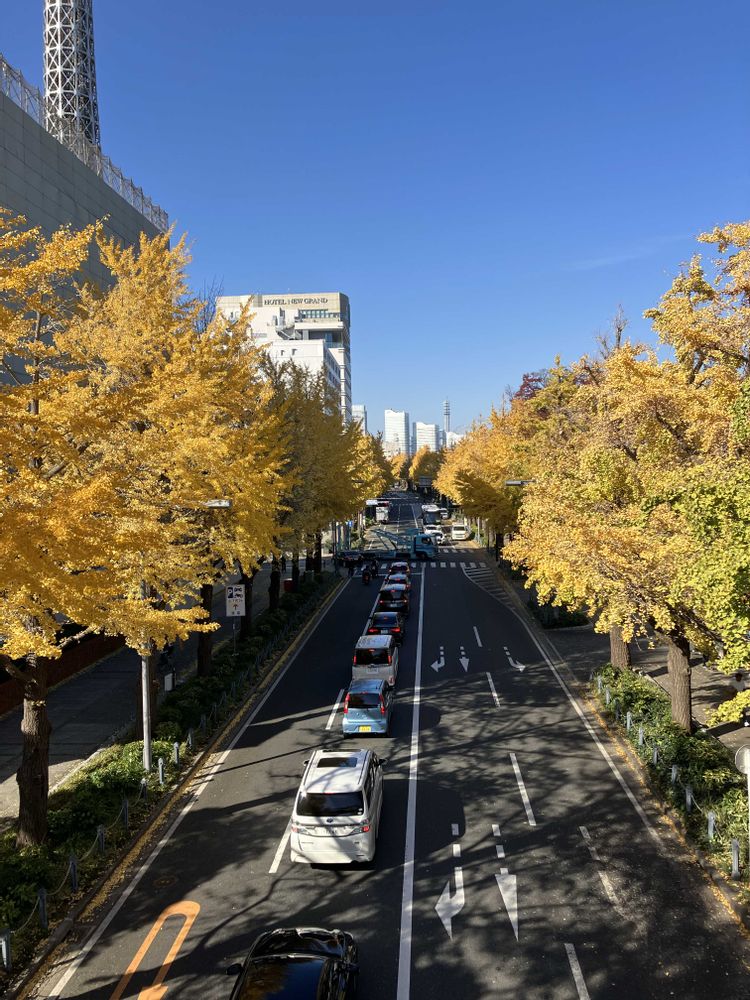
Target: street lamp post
220, 504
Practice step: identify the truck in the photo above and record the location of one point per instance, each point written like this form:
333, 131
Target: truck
421, 546
381, 514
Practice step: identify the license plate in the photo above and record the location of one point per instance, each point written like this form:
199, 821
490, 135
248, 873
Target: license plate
365, 729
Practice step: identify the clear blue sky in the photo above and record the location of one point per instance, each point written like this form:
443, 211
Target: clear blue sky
486, 181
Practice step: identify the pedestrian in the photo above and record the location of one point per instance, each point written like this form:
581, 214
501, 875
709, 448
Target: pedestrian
739, 681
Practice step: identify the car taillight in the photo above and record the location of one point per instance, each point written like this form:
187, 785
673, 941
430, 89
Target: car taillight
390, 658
346, 705
366, 828
395, 629
382, 707
372, 631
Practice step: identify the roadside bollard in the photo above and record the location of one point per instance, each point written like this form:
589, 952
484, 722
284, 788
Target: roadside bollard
125, 812
160, 766
607, 697
629, 721
617, 710
190, 739
675, 772
689, 798
73, 873
711, 824
655, 755
176, 754
5, 949
640, 736
599, 683
735, 859
100, 838
43, 907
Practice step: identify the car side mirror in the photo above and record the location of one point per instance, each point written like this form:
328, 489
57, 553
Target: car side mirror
235, 969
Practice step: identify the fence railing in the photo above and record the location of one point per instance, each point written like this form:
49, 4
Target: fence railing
30, 99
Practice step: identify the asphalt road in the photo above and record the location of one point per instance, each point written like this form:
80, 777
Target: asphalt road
511, 861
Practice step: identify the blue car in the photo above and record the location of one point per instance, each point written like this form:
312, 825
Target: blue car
367, 708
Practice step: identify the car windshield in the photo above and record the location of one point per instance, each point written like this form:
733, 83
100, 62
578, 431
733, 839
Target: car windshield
385, 618
364, 699
297, 940
365, 657
330, 804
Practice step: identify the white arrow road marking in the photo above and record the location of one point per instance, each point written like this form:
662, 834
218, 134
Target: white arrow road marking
464, 660
335, 709
440, 661
522, 790
514, 663
476, 636
449, 906
575, 968
506, 883
492, 689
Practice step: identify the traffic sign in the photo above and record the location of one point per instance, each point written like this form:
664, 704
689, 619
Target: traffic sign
235, 600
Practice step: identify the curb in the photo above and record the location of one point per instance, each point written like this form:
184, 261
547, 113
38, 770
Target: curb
131, 851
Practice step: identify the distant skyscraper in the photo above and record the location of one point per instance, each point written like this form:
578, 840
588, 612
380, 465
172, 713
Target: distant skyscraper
397, 432
427, 434
70, 71
359, 413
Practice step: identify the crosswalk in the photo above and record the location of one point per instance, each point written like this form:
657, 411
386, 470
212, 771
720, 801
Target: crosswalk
486, 579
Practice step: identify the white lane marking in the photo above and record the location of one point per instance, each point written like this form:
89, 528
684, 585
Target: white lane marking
335, 709
454, 829
609, 888
599, 745
449, 905
589, 843
476, 636
453, 565
456, 850
129, 889
496, 830
575, 968
500, 850
522, 790
492, 689
471, 565
407, 895
506, 883
442, 565
280, 849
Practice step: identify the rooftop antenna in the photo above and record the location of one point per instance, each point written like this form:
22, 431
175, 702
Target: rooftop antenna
446, 416
70, 70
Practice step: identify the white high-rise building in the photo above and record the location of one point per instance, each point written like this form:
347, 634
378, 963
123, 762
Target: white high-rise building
317, 317
452, 438
359, 413
426, 434
396, 436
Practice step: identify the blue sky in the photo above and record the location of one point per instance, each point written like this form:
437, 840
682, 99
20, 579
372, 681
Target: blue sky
486, 181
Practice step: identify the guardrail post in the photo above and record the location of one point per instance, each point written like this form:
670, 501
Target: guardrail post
735, 859
711, 824
100, 838
42, 893
176, 754
125, 811
675, 772
203, 723
5, 955
689, 798
190, 739
629, 721
160, 766
607, 696
599, 683
73, 873
617, 710
144, 789
640, 736
655, 755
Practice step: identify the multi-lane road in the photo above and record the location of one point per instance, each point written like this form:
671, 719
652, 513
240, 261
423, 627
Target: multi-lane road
517, 856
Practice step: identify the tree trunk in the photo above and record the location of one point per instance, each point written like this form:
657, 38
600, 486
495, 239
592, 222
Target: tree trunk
309, 557
295, 571
246, 622
318, 560
274, 585
153, 694
619, 650
33, 774
205, 639
678, 668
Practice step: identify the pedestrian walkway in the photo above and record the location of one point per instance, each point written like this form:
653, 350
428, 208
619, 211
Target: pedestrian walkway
87, 710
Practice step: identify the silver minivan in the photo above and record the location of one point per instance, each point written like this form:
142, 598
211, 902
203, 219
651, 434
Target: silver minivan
336, 815
375, 658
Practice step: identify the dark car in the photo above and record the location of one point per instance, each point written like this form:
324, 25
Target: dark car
387, 623
393, 597
403, 578
350, 557
307, 963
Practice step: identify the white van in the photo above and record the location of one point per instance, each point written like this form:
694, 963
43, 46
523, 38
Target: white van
375, 658
459, 532
336, 815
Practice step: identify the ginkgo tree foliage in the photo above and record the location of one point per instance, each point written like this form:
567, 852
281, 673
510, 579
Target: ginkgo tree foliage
120, 421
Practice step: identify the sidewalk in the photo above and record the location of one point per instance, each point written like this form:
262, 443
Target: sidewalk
584, 650
87, 710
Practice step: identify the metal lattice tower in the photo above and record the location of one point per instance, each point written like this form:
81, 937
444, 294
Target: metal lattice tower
70, 71
446, 416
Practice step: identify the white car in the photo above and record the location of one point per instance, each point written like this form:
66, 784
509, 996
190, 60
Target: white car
435, 533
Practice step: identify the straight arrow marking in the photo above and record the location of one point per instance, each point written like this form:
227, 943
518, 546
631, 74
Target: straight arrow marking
506, 883
464, 659
450, 905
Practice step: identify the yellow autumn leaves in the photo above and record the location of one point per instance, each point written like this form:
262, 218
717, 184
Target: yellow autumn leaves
638, 504
121, 417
